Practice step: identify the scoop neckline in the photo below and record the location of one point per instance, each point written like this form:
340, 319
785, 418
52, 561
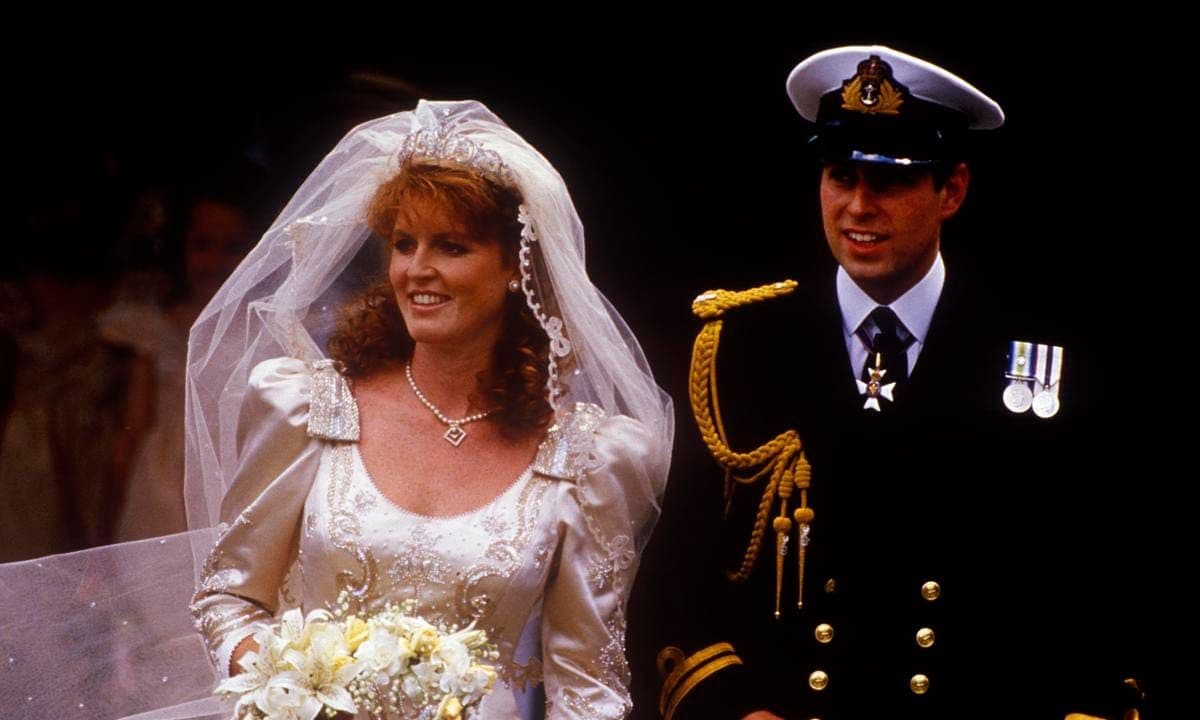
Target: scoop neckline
525, 475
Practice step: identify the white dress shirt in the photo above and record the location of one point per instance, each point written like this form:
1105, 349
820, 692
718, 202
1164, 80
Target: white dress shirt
914, 308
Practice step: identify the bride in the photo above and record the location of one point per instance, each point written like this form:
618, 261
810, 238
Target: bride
411, 391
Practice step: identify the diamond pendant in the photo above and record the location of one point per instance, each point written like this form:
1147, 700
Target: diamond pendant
455, 434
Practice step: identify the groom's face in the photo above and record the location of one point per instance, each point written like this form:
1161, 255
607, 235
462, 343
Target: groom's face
883, 222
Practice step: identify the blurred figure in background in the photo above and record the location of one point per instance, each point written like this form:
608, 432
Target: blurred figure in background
64, 385
148, 450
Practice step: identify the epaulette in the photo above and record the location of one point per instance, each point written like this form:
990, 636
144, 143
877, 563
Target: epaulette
713, 303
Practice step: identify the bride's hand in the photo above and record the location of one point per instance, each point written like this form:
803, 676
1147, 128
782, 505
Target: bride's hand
246, 645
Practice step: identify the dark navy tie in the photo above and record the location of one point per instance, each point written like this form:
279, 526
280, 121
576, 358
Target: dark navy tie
887, 342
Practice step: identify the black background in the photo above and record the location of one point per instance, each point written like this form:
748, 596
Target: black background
682, 151
684, 156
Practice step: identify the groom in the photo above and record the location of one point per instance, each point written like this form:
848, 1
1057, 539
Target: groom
932, 546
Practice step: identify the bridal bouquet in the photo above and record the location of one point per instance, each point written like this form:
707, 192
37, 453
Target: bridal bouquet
391, 662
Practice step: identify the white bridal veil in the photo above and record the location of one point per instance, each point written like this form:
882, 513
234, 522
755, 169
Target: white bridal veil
106, 633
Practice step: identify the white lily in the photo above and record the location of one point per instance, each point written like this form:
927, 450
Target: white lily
285, 697
329, 667
295, 628
258, 667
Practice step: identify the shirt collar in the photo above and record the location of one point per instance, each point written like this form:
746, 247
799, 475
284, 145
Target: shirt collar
914, 308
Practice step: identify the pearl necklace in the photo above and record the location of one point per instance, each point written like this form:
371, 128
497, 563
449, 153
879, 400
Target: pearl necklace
454, 433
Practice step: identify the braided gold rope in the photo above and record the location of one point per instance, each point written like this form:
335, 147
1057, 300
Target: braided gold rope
781, 458
714, 303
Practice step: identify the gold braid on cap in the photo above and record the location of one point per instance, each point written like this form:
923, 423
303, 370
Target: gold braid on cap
781, 460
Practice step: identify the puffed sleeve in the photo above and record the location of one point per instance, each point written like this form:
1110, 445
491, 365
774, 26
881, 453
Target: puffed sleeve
279, 452
609, 512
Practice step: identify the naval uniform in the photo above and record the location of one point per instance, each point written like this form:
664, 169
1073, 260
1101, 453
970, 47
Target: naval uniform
962, 559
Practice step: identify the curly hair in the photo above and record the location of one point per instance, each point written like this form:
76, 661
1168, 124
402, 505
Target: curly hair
371, 334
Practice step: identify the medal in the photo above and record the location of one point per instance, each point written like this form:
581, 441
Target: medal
1046, 404
1048, 374
1018, 395
874, 388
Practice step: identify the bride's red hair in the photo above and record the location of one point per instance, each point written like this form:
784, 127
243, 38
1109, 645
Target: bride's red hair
371, 334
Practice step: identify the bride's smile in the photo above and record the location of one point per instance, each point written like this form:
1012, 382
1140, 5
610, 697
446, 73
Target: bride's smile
450, 279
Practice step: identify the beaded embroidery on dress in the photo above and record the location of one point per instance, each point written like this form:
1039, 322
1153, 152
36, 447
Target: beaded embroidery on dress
557, 538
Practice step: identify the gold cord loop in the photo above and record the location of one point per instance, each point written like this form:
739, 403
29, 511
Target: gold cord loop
781, 460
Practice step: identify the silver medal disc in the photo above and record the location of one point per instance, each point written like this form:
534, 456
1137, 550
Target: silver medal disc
1045, 404
1018, 397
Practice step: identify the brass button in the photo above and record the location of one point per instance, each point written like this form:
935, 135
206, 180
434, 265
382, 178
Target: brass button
830, 585
931, 591
824, 633
818, 680
919, 684
925, 637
